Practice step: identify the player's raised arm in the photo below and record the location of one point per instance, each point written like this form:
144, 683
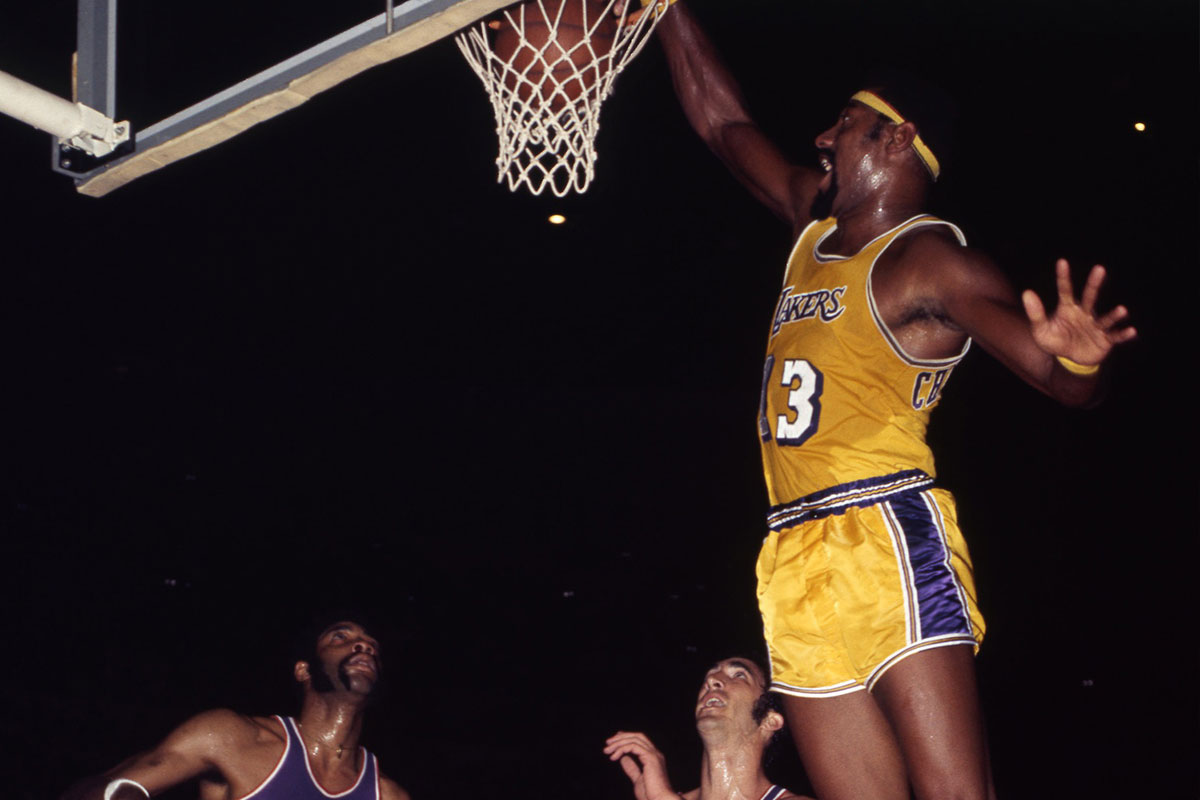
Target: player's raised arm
1060, 354
187, 752
714, 106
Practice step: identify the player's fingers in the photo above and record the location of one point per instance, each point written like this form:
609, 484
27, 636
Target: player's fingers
633, 17
1091, 289
614, 744
1123, 335
630, 767
618, 746
615, 751
1113, 317
1062, 280
1033, 307
630, 750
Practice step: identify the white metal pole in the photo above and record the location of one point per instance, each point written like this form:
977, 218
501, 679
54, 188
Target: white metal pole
73, 123
41, 109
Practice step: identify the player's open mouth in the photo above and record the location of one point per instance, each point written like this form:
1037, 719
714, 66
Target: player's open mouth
825, 161
713, 702
363, 661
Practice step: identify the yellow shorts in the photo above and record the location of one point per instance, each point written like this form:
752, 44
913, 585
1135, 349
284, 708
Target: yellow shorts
854, 588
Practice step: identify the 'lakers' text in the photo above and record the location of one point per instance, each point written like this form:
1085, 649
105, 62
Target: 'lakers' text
823, 303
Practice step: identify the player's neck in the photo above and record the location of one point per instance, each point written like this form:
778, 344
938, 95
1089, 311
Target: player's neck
875, 215
732, 772
330, 725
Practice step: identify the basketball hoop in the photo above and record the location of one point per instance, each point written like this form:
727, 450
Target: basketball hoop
547, 68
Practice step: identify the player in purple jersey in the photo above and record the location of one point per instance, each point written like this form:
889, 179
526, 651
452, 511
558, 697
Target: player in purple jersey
311, 757
738, 720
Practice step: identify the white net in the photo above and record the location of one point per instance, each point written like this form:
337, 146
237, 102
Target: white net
563, 57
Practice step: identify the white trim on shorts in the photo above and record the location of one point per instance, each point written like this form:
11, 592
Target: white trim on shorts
948, 640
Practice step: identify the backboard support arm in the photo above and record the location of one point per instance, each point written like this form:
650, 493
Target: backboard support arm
95, 80
273, 91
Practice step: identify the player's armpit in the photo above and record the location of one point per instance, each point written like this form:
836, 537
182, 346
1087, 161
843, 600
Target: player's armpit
979, 298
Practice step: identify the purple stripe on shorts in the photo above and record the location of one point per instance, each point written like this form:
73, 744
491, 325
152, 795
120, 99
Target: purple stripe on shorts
939, 597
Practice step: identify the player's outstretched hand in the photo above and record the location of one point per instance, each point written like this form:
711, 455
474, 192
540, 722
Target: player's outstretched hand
1074, 331
643, 763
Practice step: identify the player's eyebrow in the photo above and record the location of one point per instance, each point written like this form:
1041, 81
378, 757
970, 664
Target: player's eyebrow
737, 662
349, 627
340, 627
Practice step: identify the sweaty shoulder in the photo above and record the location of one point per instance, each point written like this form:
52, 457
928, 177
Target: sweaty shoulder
220, 732
945, 267
928, 244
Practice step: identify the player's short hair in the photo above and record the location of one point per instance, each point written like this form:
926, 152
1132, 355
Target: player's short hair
926, 105
767, 702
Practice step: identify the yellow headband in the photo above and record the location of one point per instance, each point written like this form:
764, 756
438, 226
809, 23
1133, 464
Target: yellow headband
877, 103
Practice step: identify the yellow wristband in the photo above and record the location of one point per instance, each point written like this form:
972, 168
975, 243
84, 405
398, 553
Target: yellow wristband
1078, 369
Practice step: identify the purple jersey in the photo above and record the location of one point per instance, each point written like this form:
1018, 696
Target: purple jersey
292, 778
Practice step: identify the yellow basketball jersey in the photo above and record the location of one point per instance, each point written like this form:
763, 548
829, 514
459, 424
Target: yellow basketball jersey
841, 400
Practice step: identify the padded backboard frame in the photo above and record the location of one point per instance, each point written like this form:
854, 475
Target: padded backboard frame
260, 97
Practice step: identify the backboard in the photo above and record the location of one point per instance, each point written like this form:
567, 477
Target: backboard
237, 64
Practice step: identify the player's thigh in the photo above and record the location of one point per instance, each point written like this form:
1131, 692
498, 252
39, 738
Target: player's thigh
932, 701
847, 746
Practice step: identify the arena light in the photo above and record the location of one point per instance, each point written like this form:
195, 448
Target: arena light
557, 219
1139, 126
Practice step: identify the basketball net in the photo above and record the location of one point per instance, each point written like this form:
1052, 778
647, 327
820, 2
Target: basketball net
547, 137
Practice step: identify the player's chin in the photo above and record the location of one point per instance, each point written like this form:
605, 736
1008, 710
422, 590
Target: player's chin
360, 681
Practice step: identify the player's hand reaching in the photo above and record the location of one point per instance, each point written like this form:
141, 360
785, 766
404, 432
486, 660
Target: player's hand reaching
643, 763
1074, 332
633, 16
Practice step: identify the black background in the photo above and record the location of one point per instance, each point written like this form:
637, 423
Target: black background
332, 362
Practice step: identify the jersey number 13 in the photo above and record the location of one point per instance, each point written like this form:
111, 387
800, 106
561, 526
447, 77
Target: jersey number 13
804, 383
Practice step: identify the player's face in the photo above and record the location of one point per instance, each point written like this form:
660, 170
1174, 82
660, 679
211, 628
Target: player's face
730, 690
850, 153
348, 657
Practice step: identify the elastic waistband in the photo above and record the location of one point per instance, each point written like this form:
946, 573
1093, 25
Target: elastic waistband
836, 499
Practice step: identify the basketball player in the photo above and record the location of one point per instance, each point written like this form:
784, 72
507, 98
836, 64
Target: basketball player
864, 581
737, 718
272, 758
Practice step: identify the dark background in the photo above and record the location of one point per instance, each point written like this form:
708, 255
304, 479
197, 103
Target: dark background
333, 362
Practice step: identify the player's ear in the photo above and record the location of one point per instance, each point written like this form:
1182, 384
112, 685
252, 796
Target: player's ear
300, 672
902, 137
773, 721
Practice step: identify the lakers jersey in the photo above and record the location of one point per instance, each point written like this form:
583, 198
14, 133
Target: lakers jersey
841, 400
